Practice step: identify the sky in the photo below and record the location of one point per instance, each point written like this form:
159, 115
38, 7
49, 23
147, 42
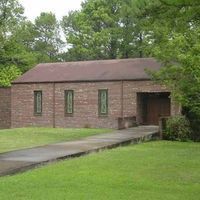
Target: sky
33, 8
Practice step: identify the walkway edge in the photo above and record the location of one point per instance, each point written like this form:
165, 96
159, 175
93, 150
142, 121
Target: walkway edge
35, 165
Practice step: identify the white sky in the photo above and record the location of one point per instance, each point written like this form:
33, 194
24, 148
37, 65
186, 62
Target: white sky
33, 8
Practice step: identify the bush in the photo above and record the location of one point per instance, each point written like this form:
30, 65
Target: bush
8, 74
177, 128
194, 119
195, 126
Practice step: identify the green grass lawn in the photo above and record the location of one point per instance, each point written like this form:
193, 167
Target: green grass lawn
150, 171
12, 139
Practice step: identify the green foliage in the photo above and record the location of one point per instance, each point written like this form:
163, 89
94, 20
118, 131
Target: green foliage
103, 29
14, 58
177, 128
24, 44
8, 74
11, 13
194, 123
47, 37
173, 29
16, 53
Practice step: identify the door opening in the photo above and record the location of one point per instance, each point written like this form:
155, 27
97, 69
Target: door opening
152, 106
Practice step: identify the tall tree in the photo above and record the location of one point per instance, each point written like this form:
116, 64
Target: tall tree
47, 39
174, 38
23, 43
19, 49
12, 54
10, 16
93, 31
11, 13
132, 31
103, 29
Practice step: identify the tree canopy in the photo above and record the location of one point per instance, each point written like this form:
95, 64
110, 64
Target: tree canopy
173, 29
23, 44
103, 30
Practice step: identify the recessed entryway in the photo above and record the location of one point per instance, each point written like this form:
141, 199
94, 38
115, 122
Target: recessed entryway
152, 106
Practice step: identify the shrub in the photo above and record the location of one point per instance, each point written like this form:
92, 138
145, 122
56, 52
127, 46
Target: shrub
194, 119
195, 126
177, 128
8, 74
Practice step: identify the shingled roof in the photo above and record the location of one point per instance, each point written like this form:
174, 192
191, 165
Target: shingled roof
99, 70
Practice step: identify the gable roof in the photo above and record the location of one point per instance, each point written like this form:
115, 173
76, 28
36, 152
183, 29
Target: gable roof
99, 70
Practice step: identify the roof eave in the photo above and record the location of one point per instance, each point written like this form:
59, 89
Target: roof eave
78, 81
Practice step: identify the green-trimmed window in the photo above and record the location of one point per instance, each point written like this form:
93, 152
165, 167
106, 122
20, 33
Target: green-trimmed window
38, 102
69, 102
103, 102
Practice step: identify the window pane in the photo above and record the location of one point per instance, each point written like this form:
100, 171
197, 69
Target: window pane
38, 102
69, 104
103, 102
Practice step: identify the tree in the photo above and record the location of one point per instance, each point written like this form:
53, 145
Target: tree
132, 31
47, 37
173, 36
10, 15
93, 31
23, 44
18, 48
7, 74
12, 54
103, 30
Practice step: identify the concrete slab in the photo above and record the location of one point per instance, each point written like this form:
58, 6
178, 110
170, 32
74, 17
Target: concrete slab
22, 160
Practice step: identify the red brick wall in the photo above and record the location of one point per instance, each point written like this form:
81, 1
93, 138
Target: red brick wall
23, 105
130, 95
85, 103
5, 108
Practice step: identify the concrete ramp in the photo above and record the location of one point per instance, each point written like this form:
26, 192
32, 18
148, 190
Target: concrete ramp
22, 160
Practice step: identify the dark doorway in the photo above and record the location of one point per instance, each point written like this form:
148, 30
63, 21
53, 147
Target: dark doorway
152, 106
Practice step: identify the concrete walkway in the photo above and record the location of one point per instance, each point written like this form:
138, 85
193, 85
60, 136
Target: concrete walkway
22, 160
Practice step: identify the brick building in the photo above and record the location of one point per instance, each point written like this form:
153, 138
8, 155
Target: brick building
5, 107
107, 93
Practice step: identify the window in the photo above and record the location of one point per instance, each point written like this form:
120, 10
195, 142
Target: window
103, 102
69, 102
37, 102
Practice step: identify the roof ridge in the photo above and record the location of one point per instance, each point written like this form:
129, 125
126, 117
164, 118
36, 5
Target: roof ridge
105, 60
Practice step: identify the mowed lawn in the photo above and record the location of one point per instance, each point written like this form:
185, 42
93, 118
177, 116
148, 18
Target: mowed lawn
149, 171
19, 138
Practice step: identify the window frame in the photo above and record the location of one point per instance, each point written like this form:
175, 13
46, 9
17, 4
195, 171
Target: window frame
36, 113
70, 114
99, 103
